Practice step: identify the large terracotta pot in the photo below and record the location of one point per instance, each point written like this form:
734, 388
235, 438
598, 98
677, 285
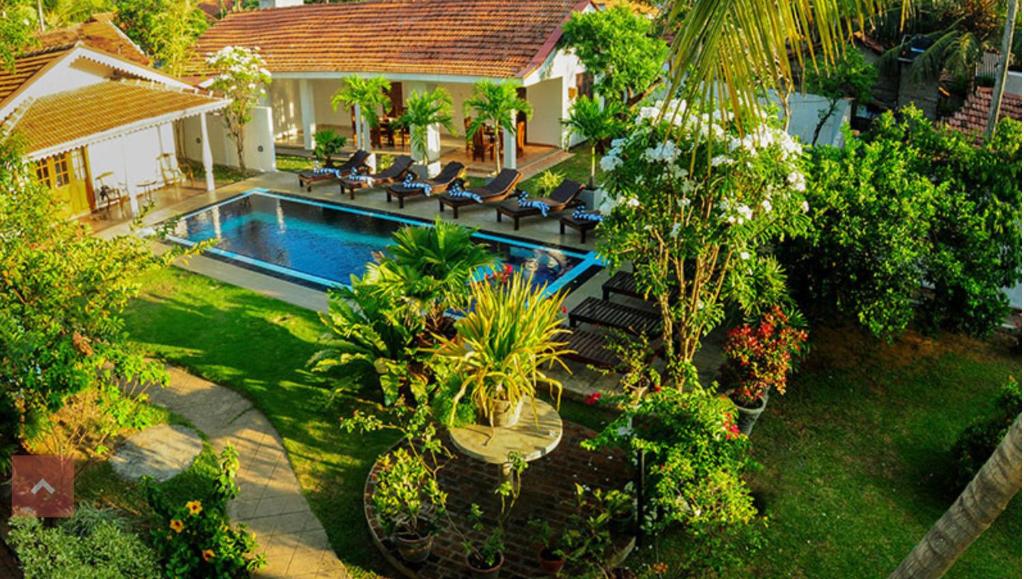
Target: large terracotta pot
551, 563
484, 573
414, 548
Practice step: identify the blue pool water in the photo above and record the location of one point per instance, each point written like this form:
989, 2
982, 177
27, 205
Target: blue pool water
322, 244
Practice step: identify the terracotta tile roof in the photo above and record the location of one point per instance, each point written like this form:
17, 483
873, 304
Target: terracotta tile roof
25, 67
98, 32
70, 115
973, 115
493, 38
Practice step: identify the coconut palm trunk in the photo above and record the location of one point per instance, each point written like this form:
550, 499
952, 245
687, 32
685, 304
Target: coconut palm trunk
975, 509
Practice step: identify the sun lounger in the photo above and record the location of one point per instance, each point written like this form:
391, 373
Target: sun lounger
438, 184
612, 315
565, 196
395, 172
590, 348
497, 190
357, 161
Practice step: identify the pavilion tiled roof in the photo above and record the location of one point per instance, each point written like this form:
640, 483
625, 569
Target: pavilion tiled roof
489, 38
71, 115
25, 67
98, 32
973, 115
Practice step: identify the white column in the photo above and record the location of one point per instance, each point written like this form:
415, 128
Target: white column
129, 183
207, 154
308, 108
363, 136
510, 145
433, 151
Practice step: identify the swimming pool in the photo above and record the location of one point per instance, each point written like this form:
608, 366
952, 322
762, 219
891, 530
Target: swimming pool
320, 244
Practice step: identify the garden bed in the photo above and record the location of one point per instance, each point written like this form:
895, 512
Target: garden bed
548, 493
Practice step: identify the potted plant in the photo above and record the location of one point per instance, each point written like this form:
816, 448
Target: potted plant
484, 558
587, 538
494, 105
551, 553
328, 144
502, 345
620, 505
408, 500
424, 113
758, 359
547, 182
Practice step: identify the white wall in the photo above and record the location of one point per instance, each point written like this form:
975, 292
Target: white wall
259, 140
323, 91
136, 154
545, 126
1013, 83
561, 67
284, 102
805, 109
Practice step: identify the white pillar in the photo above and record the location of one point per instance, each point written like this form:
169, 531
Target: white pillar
433, 151
308, 109
510, 145
129, 183
207, 154
363, 138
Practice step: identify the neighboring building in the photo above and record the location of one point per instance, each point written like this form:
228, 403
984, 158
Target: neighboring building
91, 113
973, 115
418, 45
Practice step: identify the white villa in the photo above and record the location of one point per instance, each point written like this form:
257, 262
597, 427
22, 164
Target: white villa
97, 120
418, 45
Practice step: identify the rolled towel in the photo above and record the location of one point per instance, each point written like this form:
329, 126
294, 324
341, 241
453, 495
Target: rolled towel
363, 179
327, 171
459, 192
534, 204
584, 215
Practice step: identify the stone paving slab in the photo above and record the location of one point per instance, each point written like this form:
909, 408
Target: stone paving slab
159, 452
270, 500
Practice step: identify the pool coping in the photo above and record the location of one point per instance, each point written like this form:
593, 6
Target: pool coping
589, 262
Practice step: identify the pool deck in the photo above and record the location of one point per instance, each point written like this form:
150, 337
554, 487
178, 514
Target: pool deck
582, 381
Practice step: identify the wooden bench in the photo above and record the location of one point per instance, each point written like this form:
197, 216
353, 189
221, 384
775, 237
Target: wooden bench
610, 314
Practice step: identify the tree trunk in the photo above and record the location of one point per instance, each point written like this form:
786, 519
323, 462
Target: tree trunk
1004, 65
593, 165
822, 119
240, 146
975, 509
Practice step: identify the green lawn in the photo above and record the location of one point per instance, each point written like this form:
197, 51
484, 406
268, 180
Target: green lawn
853, 455
576, 168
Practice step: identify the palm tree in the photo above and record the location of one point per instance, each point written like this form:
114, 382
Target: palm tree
725, 53
431, 267
494, 105
975, 509
369, 95
422, 110
590, 121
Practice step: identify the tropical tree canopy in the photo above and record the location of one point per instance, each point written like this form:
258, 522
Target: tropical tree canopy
242, 77
619, 47
708, 35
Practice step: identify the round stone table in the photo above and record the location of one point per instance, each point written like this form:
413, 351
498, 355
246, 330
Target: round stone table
537, 433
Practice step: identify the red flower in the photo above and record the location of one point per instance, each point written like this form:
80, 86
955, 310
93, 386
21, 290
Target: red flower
592, 399
508, 268
565, 310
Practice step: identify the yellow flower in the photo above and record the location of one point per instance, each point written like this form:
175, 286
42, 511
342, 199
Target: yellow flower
194, 507
177, 526
207, 554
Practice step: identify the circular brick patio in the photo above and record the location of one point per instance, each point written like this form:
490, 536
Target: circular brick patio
548, 491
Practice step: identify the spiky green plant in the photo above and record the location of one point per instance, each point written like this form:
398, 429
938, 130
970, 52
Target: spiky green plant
505, 343
423, 109
493, 104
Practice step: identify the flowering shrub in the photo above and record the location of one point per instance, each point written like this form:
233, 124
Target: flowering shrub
758, 358
693, 201
694, 460
242, 77
196, 538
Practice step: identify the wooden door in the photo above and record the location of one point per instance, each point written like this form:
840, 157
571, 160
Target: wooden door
67, 175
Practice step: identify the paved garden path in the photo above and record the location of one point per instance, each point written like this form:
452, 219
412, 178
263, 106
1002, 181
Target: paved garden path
270, 500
